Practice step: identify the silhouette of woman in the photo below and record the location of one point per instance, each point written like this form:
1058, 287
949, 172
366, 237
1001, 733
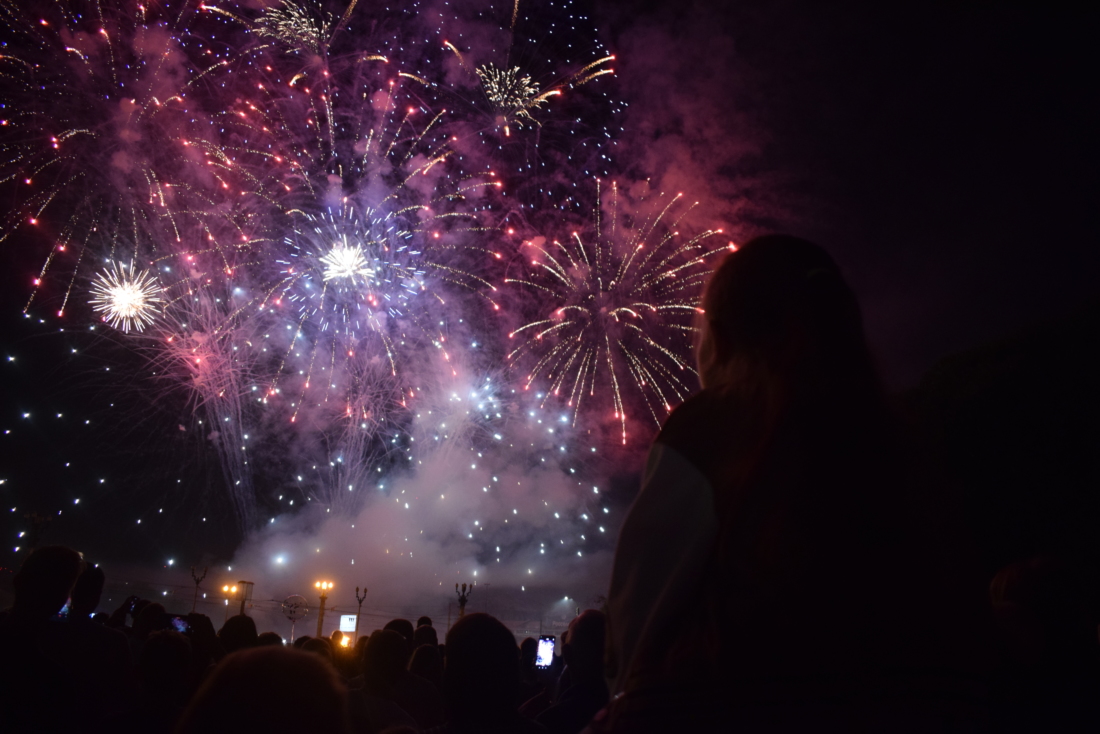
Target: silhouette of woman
761, 572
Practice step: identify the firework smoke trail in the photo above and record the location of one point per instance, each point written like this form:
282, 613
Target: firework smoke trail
623, 294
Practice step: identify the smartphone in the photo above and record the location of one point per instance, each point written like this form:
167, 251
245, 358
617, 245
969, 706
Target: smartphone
179, 624
64, 613
546, 652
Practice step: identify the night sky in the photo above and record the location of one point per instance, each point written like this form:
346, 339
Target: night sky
945, 154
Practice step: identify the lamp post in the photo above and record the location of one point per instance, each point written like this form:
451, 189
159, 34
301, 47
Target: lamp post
229, 591
324, 587
198, 580
360, 599
463, 597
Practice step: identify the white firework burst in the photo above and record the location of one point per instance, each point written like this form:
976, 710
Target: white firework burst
346, 262
127, 299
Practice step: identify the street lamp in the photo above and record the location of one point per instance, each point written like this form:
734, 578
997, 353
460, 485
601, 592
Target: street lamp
229, 591
360, 599
198, 580
323, 587
245, 588
463, 597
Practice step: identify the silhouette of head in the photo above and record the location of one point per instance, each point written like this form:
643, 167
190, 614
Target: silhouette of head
165, 663
319, 646
1044, 609
269, 638
269, 689
384, 658
780, 306
428, 664
424, 622
425, 635
404, 628
238, 633
87, 592
43, 583
583, 645
152, 618
482, 674
360, 645
136, 609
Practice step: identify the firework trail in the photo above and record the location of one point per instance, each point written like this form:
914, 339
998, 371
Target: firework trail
205, 346
623, 293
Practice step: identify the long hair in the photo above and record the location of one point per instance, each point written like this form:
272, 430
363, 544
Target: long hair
801, 487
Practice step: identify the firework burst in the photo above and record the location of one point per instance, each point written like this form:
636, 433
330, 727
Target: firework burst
514, 96
127, 299
348, 277
306, 26
367, 210
296, 26
517, 80
623, 295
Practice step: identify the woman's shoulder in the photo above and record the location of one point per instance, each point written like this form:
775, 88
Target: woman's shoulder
706, 414
706, 428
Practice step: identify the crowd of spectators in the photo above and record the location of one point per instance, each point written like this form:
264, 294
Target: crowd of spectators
90, 672
783, 568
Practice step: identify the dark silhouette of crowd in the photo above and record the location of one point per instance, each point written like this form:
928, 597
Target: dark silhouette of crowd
88, 672
96, 672
788, 566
